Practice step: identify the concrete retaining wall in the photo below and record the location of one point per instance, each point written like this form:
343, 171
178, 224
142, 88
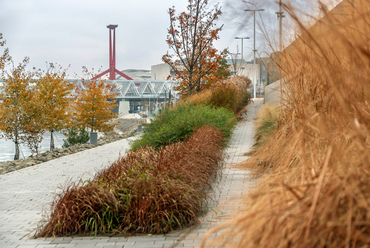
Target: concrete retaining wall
272, 93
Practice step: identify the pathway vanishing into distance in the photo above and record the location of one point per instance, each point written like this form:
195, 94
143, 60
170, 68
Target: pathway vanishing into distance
26, 193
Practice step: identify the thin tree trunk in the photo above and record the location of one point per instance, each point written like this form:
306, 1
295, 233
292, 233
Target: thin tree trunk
92, 123
16, 156
51, 140
170, 104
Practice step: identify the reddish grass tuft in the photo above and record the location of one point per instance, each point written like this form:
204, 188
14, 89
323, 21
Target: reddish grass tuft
147, 191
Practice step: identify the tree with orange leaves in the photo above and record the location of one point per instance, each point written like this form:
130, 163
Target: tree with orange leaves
52, 92
190, 36
18, 109
94, 106
5, 57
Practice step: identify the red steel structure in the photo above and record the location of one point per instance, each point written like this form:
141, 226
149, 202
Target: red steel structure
112, 57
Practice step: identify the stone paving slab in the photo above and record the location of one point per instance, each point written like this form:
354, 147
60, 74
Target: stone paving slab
26, 193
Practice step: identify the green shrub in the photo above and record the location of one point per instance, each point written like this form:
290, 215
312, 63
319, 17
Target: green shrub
225, 97
247, 97
76, 137
176, 124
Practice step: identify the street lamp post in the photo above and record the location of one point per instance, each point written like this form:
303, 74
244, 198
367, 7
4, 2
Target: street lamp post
280, 16
242, 38
254, 44
254, 31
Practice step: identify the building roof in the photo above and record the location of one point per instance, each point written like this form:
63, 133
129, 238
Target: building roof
136, 74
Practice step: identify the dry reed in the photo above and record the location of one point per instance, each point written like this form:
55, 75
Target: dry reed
314, 185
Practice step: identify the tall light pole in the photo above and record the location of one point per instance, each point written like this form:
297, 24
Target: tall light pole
254, 31
280, 16
242, 38
254, 45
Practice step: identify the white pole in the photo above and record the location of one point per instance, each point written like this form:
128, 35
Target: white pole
280, 16
242, 38
254, 49
242, 50
254, 82
280, 27
254, 55
254, 37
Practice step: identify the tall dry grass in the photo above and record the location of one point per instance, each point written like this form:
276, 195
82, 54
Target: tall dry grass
265, 124
314, 185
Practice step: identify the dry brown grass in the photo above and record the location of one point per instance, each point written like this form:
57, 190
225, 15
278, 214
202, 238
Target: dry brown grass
240, 83
314, 185
266, 123
200, 98
229, 93
148, 191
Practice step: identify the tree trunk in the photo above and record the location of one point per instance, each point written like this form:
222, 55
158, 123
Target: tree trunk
92, 124
169, 99
16, 155
51, 140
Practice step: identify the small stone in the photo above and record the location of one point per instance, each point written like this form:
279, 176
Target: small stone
29, 163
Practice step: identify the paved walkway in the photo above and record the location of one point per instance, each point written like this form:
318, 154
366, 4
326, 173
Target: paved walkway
26, 193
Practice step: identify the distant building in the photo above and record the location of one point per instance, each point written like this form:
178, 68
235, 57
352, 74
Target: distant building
135, 96
136, 74
234, 65
258, 73
161, 72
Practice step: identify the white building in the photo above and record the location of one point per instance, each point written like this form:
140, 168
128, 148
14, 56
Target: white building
257, 73
160, 72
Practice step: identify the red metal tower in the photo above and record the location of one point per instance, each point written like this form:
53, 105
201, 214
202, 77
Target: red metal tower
112, 57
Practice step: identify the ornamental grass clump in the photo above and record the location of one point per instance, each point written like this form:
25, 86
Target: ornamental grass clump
178, 123
266, 123
216, 107
231, 93
314, 173
148, 191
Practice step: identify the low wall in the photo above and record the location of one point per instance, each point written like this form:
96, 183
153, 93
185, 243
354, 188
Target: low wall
272, 93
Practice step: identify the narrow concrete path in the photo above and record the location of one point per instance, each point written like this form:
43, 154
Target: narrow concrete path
24, 194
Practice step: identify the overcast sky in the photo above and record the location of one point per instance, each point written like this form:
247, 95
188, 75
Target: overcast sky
73, 32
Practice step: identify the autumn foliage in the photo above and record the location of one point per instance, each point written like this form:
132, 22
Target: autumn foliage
36, 101
190, 37
94, 105
18, 109
4, 58
52, 92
